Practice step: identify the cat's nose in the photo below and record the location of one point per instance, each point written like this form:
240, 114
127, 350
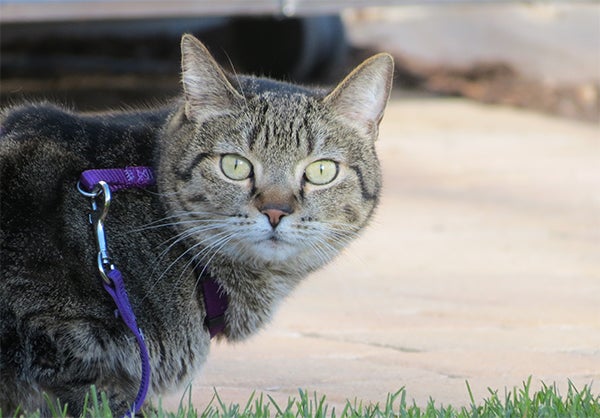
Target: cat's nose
275, 215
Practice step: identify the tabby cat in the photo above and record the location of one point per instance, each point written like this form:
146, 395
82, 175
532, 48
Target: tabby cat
258, 183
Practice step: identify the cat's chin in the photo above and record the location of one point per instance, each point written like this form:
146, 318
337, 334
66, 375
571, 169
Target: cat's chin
274, 250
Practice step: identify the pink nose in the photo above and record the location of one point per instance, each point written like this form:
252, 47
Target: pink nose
274, 216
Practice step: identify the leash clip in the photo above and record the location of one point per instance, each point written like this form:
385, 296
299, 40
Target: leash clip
100, 198
100, 201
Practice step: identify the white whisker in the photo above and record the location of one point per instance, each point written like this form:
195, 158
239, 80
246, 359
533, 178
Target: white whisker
180, 238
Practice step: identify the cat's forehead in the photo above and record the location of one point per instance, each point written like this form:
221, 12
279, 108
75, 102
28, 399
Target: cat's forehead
280, 106
279, 128
284, 125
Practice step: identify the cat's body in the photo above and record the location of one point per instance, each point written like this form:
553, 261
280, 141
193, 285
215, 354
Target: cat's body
257, 185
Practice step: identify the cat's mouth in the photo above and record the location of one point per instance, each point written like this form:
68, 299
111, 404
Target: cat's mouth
272, 239
272, 249
275, 243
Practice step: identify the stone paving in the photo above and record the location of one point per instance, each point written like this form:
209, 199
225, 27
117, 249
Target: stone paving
483, 265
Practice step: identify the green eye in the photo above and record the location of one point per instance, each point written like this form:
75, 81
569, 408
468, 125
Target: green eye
321, 172
236, 167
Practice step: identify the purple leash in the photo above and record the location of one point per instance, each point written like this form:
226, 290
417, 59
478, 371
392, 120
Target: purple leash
117, 291
100, 183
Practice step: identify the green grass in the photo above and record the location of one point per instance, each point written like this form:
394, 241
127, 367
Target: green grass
519, 402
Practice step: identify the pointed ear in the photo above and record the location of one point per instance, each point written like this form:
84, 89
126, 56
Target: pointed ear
362, 96
207, 91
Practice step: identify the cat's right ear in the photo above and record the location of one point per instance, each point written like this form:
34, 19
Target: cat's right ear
207, 90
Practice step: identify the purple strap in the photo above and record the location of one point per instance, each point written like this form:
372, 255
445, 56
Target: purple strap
117, 291
215, 301
118, 178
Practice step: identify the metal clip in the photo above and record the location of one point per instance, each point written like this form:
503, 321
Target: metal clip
100, 200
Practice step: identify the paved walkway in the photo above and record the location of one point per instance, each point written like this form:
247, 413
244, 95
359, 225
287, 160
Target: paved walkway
483, 264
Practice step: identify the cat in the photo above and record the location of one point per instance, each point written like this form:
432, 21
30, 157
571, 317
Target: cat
258, 183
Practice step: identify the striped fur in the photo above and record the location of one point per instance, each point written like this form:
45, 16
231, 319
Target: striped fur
258, 237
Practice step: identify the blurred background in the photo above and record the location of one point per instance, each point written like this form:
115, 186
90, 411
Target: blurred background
483, 261
104, 53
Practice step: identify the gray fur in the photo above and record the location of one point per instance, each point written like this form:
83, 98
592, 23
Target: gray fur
58, 333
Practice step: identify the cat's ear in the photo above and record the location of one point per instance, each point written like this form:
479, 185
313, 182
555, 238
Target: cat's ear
207, 90
362, 96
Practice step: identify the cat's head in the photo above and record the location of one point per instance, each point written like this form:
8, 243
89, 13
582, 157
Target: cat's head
270, 173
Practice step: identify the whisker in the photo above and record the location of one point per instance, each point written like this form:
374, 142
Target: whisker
182, 255
221, 242
215, 252
163, 225
176, 239
200, 243
180, 214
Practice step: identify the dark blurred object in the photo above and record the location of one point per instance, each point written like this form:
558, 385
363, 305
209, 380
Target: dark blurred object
302, 50
95, 65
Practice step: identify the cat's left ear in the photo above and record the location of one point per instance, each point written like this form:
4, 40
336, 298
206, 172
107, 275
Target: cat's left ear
207, 90
360, 98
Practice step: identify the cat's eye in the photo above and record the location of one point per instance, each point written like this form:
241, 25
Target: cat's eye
321, 172
236, 167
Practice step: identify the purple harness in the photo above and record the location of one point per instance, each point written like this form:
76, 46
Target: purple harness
98, 186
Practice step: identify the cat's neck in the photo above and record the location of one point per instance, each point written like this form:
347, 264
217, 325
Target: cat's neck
253, 294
